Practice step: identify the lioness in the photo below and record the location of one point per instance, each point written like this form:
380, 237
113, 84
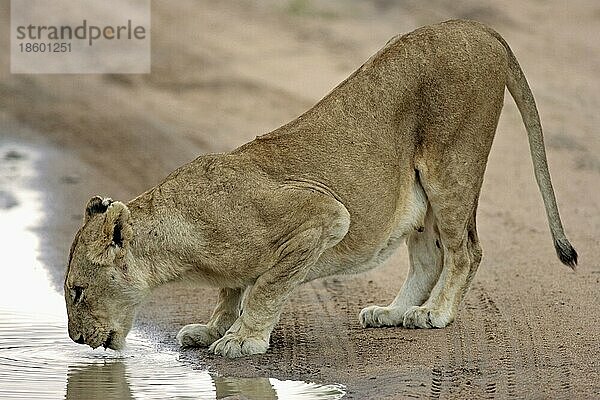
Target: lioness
396, 152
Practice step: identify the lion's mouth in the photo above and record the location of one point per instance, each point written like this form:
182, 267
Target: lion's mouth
108, 343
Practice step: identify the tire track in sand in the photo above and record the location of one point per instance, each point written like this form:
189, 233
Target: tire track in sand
480, 353
501, 346
550, 355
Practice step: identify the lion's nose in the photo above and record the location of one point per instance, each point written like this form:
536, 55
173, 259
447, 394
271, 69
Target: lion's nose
74, 335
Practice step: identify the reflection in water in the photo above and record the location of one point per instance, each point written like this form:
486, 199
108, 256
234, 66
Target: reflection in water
37, 358
271, 389
98, 381
253, 388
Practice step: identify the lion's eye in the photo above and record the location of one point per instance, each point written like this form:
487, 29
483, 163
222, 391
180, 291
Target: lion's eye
76, 293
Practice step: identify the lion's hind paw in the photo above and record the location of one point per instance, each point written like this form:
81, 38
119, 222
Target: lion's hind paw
425, 317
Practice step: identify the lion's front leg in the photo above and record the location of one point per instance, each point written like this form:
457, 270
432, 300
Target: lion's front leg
223, 317
298, 252
251, 332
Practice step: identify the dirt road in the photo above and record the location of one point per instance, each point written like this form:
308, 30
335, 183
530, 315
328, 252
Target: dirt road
224, 72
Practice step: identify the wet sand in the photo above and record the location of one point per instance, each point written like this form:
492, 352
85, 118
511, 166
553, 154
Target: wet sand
529, 326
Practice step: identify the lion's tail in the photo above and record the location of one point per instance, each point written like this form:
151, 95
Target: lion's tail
521, 93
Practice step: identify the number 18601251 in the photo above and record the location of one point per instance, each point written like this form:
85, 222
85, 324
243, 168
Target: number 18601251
44, 47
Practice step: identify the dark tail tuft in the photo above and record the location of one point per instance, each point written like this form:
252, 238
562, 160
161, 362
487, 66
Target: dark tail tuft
566, 252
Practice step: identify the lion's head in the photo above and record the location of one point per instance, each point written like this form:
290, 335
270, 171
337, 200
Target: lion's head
100, 293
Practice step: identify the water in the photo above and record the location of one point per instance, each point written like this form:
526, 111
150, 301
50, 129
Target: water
39, 361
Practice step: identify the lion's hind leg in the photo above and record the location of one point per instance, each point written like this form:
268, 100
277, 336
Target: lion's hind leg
451, 157
461, 259
426, 261
453, 193
224, 315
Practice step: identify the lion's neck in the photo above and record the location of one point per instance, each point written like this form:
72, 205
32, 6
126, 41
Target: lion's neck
157, 255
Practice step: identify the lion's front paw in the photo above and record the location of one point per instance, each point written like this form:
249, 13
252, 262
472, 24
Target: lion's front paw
425, 317
234, 345
197, 335
375, 317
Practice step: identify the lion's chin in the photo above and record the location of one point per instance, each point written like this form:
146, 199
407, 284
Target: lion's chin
116, 346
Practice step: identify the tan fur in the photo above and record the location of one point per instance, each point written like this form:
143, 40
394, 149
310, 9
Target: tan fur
396, 152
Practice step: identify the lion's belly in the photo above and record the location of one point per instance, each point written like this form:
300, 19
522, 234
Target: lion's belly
341, 260
326, 266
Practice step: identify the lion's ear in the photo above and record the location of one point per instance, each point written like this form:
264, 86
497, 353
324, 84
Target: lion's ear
96, 205
117, 225
114, 236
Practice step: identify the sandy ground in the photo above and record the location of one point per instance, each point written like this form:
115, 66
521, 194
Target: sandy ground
224, 72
